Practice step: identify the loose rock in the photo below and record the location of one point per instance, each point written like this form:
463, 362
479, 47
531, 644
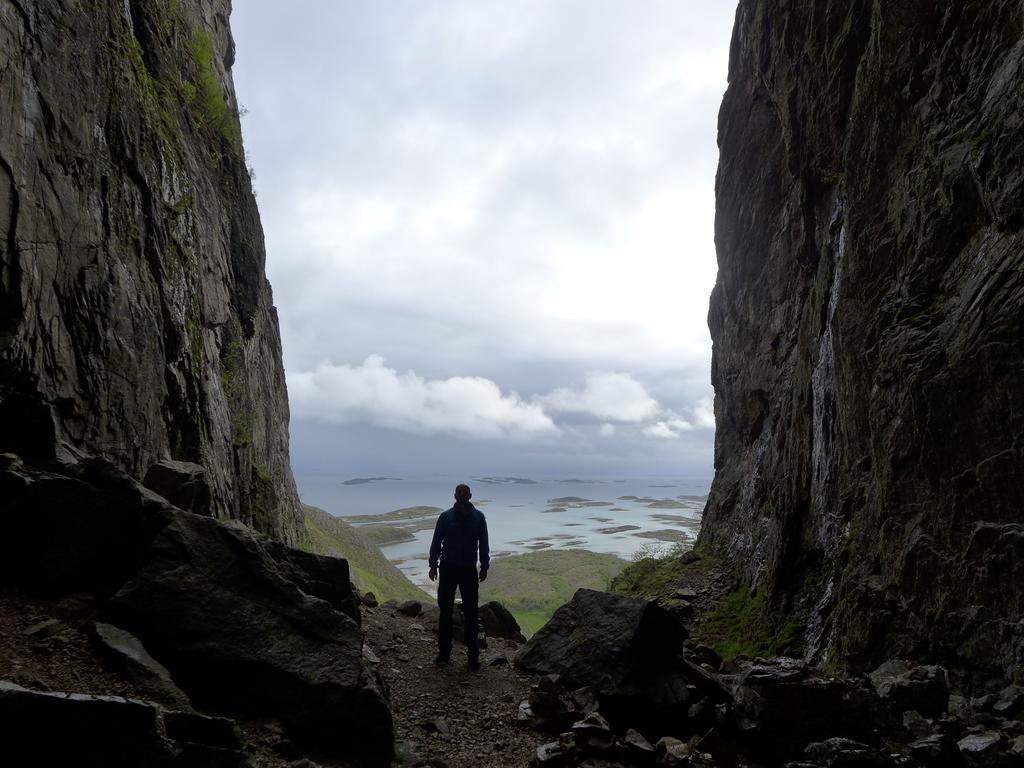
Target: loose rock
126, 653
410, 608
920, 688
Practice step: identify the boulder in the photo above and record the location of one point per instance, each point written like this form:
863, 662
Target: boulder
922, 688
917, 725
981, 750
550, 755
593, 732
846, 753
702, 654
498, 621
73, 528
1009, 702
110, 731
182, 483
936, 751
74, 729
411, 608
546, 708
317, 575
585, 700
214, 605
193, 728
626, 650
431, 618
637, 746
721, 748
126, 654
780, 706
672, 751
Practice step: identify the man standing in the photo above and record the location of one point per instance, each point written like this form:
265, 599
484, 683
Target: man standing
458, 534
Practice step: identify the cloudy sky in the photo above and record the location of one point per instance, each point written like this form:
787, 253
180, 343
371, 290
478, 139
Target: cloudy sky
489, 229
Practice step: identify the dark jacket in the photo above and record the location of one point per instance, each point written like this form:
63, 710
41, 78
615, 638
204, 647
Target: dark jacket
458, 533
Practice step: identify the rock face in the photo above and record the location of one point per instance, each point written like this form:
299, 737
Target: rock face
868, 326
136, 323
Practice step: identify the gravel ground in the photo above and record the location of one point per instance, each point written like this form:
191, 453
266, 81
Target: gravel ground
449, 715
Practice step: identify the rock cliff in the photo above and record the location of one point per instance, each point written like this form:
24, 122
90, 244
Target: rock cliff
136, 323
868, 326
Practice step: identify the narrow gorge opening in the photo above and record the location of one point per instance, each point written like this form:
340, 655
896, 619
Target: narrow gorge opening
505, 220
489, 230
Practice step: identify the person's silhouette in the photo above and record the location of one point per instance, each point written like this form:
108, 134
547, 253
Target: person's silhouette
458, 536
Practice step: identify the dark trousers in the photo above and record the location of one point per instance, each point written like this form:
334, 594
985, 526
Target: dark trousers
463, 577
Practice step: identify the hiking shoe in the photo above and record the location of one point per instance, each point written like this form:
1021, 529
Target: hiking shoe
473, 664
440, 660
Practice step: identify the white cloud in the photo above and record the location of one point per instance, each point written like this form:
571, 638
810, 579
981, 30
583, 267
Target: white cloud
660, 429
611, 396
607, 430
373, 393
704, 414
672, 425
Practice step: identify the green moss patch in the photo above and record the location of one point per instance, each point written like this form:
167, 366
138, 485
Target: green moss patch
742, 623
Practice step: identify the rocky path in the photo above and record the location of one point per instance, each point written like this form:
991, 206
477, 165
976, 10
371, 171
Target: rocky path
448, 716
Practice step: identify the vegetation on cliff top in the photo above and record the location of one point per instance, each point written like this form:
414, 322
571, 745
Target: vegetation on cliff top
370, 570
213, 108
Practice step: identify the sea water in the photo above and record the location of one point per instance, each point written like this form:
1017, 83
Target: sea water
619, 516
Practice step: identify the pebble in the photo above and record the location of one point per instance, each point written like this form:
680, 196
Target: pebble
40, 628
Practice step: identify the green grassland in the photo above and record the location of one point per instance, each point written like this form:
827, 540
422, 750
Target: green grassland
371, 571
534, 585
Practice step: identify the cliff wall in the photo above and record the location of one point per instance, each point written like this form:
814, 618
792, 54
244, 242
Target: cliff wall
868, 325
136, 323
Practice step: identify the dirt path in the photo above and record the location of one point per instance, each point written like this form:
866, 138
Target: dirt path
465, 719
